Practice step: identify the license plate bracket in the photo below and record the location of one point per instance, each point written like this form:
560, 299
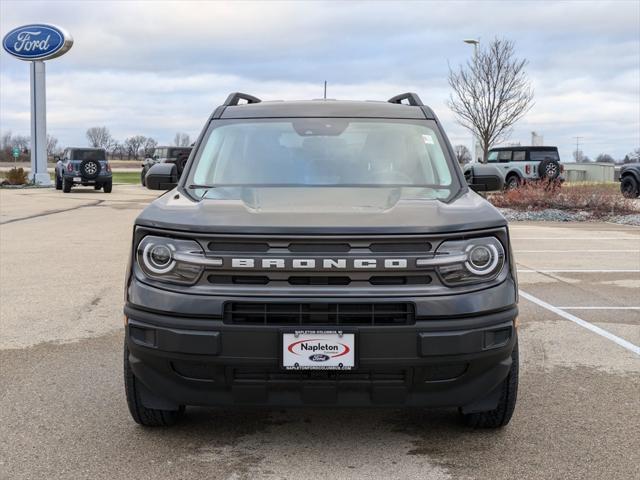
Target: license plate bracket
321, 349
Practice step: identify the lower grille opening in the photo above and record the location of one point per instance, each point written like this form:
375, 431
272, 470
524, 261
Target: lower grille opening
238, 279
319, 280
400, 280
249, 313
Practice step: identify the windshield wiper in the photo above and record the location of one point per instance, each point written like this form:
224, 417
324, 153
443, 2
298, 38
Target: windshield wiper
195, 186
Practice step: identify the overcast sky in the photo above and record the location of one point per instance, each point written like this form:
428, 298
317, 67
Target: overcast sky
158, 67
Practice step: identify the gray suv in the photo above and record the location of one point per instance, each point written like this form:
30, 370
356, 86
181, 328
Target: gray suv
83, 166
321, 253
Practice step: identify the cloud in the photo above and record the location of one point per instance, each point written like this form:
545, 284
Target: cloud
155, 68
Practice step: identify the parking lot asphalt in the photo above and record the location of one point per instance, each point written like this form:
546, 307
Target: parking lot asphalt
62, 407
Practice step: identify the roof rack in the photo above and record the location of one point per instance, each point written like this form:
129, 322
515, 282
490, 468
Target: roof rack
412, 98
235, 97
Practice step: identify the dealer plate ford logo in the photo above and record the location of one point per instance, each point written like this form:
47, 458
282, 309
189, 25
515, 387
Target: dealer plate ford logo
319, 357
37, 42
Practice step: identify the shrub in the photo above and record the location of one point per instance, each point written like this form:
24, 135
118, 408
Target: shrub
16, 176
598, 199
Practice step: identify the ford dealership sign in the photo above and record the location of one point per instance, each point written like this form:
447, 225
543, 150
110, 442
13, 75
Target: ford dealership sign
37, 42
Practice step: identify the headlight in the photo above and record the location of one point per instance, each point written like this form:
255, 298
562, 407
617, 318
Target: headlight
172, 260
473, 261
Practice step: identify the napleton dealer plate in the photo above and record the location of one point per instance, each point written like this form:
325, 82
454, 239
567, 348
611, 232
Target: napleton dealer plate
318, 350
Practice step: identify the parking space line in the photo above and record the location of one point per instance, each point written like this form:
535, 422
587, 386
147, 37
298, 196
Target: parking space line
637, 250
583, 323
538, 270
634, 237
599, 308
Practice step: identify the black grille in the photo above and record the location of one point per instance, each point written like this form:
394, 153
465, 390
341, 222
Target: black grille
319, 313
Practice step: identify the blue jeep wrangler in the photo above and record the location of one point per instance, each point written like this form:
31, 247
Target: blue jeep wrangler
83, 166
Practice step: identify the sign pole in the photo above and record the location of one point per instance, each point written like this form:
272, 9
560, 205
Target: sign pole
39, 174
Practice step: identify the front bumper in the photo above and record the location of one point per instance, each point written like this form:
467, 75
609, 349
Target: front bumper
432, 363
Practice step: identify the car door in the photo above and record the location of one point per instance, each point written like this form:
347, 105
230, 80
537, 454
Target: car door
504, 161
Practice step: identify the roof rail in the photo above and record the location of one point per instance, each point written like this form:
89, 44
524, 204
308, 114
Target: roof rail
413, 98
235, 97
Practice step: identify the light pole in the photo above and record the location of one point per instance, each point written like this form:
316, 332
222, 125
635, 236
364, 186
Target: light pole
475, 43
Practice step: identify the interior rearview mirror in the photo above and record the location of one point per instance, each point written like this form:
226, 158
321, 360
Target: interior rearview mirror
484, 178
162, 176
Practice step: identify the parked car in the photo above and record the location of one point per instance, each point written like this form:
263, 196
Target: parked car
321, 253
175, 155
630, 180
520, 164
83, 166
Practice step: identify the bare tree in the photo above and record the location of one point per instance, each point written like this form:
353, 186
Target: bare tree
5, 141
491, 93
632, 157
580, 157
99, 137
133, 145
5, 147
52, 144
605, 158
149, 146
22, 142
463, 155
181, 139
117, 150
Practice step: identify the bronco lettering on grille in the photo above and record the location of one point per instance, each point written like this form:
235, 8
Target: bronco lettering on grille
319, 263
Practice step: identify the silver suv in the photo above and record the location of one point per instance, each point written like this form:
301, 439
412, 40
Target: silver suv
521, 164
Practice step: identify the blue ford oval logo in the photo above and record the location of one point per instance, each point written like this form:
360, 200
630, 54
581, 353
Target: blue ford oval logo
37, 42
319, 357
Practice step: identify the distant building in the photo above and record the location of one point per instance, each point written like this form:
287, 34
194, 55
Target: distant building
537, 140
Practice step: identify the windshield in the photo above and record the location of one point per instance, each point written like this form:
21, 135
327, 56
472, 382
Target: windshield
336, 152
88, 155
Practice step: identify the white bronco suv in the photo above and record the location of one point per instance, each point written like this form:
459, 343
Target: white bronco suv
521, 164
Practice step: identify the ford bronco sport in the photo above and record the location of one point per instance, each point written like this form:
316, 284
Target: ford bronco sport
320, 253
83, 166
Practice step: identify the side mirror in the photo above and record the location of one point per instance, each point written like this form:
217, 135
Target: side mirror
484, 178
162, 176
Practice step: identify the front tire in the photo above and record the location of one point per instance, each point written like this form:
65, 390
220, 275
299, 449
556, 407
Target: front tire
512, 183
501, 415
107, 187
629, 187
149, 417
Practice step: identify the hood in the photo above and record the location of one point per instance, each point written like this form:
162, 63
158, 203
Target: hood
320, 210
